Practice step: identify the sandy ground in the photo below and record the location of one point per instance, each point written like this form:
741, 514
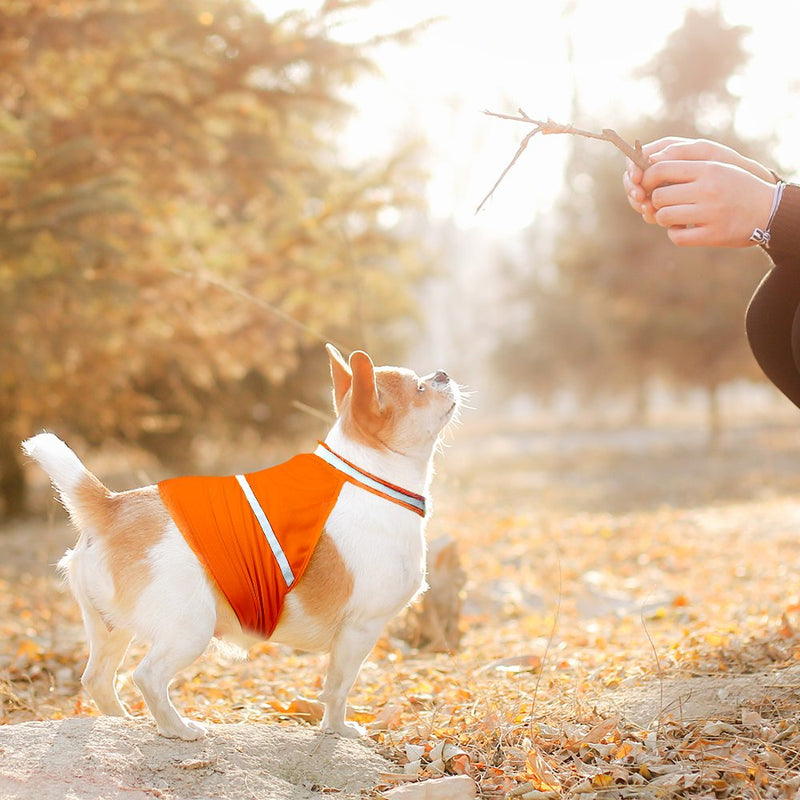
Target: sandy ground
102, 758
705, 697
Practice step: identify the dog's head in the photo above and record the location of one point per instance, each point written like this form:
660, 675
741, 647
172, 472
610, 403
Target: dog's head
391, 408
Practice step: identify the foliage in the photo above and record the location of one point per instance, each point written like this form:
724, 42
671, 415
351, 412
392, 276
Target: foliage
177, 225
635, 306
695, 66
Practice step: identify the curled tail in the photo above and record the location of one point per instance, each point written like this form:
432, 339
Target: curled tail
78, 489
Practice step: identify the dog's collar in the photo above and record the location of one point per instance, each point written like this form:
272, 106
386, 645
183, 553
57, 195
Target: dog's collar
396, 494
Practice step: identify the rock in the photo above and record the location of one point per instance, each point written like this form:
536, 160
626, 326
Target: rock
453, 787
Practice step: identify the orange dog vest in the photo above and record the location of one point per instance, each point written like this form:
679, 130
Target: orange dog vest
255, 533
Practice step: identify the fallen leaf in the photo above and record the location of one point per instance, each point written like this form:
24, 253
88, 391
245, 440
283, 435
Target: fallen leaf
539, 773
715, 727
516, 664
772, 759
308, 710
751, 718
601, 730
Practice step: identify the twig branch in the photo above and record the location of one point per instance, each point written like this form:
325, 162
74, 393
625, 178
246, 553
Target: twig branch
633, 152
257, 301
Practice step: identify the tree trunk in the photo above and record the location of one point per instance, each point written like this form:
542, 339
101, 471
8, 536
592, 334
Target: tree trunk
714, 419
13, 488
641, 404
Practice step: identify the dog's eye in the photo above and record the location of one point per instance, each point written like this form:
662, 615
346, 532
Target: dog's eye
420, 387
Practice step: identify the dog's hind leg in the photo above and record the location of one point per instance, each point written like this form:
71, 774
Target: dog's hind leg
173, 649
107, 648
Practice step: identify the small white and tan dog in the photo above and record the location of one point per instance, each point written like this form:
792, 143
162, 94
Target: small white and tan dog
136, 570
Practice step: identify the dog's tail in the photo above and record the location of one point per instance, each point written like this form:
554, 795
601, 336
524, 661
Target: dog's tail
82, 494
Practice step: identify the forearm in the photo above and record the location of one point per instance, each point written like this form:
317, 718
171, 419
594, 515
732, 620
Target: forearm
771, 328
773, 316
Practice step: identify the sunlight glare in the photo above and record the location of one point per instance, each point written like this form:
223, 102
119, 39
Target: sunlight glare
570, 60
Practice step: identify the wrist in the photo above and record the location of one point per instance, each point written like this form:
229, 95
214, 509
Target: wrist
762, 234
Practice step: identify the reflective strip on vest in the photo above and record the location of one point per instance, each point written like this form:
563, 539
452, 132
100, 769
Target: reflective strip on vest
266, 529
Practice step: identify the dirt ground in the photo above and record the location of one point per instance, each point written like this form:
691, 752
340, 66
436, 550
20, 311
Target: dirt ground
103, 758
629, 629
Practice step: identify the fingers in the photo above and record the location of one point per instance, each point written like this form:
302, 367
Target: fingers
638, 199
647, 194
631, 182
637, 191
692, 236
677, 215
700, 236
670, 172
671, 195
720, 204
670, 159
704, 150
680, 187
695, 150
652, 149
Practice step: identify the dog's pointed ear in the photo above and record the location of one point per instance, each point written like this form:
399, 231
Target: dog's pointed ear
340, 375
365, 390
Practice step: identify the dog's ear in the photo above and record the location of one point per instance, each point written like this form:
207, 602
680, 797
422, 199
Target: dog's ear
365, 390
340, 375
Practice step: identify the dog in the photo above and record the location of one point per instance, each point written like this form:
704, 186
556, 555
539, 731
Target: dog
138, 568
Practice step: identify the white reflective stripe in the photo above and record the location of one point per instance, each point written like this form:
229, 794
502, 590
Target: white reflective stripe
343, 466
266, 528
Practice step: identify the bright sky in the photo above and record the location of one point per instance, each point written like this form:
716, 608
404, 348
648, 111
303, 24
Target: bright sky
508, 53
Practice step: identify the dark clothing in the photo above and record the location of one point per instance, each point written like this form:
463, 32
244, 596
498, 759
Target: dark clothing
773, 316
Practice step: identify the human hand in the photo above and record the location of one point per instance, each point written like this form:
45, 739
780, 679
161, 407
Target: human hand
707, 203
715, 232
676, 148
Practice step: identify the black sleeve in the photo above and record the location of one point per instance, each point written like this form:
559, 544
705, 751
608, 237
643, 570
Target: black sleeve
773, 316
785, 229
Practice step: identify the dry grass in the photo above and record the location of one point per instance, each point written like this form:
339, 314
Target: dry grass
629, 625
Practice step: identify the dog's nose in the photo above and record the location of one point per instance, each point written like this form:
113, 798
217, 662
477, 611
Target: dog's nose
440, 376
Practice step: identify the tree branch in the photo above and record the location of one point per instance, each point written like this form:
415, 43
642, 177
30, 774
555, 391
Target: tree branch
633, 152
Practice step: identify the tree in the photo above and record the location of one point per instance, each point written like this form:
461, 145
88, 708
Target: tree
655, 310
176, 226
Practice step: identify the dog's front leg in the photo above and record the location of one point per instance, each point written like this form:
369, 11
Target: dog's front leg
350, 647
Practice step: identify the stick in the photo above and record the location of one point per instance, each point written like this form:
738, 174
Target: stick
211, 280
634, 153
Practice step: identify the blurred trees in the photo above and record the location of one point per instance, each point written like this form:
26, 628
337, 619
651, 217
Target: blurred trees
151, 154
620, 305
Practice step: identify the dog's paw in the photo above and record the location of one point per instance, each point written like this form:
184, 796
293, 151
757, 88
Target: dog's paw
115, 711
348, 730
189, 731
